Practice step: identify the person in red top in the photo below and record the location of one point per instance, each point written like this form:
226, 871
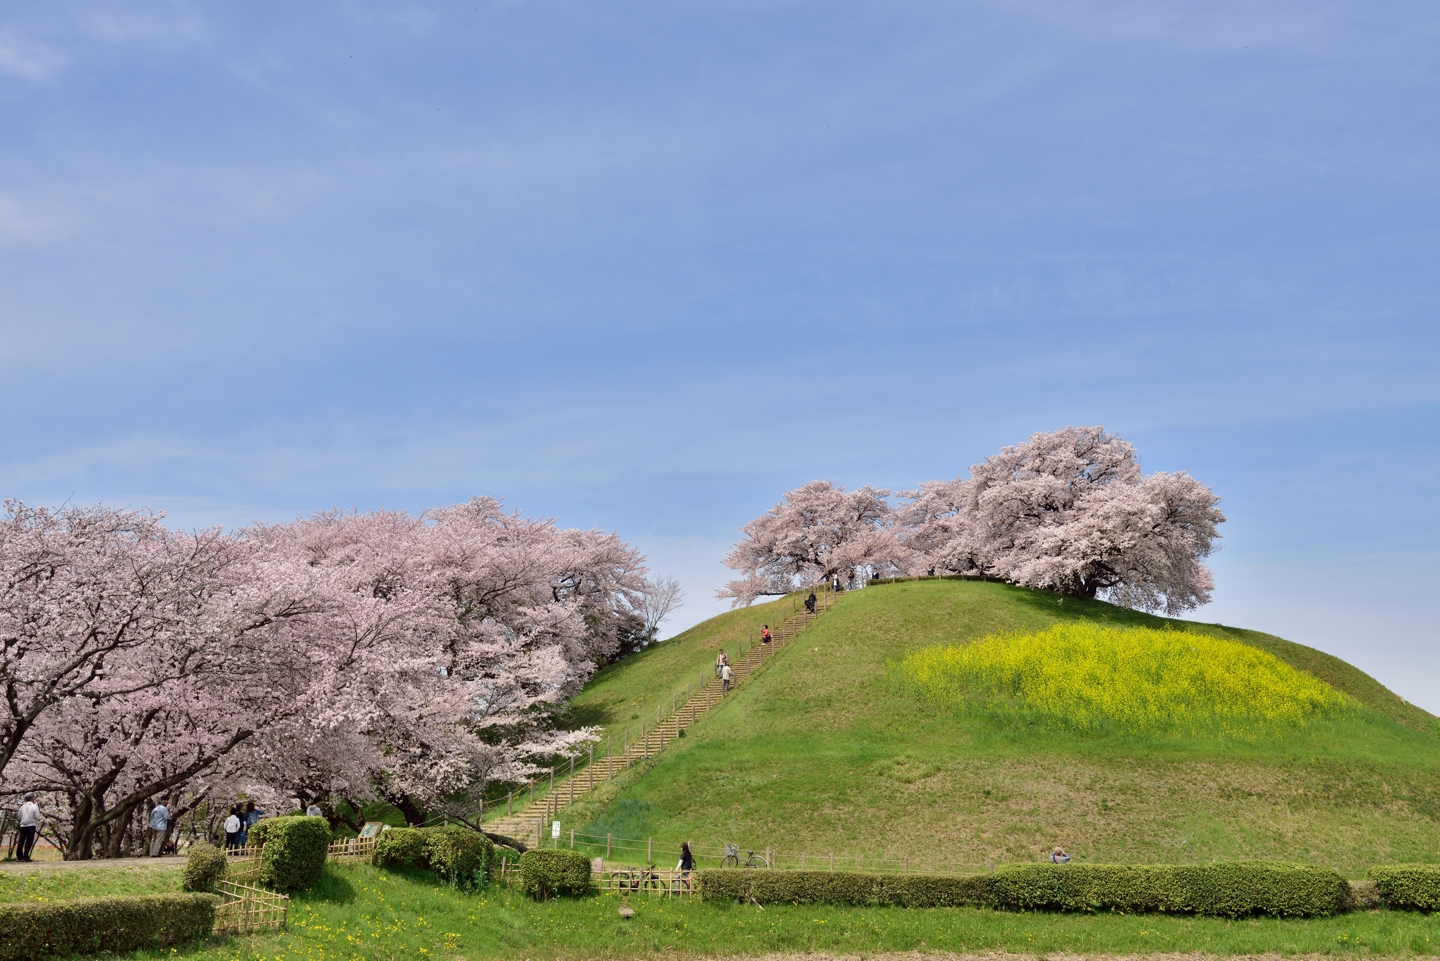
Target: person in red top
765, 634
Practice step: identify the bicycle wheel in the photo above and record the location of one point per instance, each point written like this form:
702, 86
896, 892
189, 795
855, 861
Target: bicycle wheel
731, 861
756, 861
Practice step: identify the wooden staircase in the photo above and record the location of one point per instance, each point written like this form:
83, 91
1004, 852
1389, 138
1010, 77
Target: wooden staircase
529, 820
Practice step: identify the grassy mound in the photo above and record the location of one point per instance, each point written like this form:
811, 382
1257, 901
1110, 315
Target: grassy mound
824, 751
1100, 678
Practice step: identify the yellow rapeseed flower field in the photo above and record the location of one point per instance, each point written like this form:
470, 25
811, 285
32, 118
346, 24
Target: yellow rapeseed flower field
1096, 678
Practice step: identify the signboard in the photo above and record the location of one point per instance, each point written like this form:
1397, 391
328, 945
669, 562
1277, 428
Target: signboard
554, 830
372, 829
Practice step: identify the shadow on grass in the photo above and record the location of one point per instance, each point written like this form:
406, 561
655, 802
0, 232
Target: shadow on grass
333, 888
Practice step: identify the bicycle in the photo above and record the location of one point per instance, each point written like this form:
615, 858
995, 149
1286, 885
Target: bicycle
752, 859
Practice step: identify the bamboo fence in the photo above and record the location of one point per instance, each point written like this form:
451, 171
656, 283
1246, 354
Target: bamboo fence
246, 908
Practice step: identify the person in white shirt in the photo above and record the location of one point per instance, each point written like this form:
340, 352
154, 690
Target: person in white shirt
725, 679
232, 828
29, 827
159, 826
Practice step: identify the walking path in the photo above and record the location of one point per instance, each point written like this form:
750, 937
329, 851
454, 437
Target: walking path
529, 822
20, 867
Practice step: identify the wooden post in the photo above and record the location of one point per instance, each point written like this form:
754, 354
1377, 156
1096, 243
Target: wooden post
644, 741
607, 847
572, 837
769, 860
650, 850
590, 768
627, 746
802, 861
832, 862
510, 803
907, 864
532, 792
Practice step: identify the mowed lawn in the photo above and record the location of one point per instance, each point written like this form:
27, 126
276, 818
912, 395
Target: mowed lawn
374, 915
826, 750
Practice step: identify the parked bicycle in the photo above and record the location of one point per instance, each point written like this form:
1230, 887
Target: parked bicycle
753, 859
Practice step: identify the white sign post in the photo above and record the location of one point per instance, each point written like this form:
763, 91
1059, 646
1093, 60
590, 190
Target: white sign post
555, 830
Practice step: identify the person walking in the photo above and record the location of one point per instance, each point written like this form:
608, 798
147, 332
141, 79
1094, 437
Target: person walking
159, 826
810, 603
29, 827
721, 660
724, 679
233, 825
765, 634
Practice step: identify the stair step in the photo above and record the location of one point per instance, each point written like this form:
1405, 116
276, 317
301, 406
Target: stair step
532, 816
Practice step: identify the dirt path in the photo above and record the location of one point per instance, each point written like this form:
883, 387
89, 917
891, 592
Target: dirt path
18, 867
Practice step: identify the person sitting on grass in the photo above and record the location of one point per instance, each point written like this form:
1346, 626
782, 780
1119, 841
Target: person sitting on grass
1058, 856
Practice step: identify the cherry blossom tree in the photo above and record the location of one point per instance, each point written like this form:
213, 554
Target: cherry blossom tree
81, 588
339, 656
1070, 511
817, 531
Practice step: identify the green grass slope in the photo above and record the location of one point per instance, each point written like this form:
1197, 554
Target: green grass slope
826, 751
623, 693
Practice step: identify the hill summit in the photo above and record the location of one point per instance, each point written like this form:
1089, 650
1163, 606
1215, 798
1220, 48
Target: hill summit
988, 722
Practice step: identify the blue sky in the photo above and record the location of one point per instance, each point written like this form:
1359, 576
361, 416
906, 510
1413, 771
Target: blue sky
647, 266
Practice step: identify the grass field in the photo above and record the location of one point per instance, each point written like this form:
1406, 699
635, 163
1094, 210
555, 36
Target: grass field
63, 885
827, 750
365, 913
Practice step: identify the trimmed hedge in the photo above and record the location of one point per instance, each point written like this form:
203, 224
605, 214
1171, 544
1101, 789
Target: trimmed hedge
544, 874
204, 865
293, 856
90, 925
400, 848
1231, 889
457, 855
844, 887
1409, 887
